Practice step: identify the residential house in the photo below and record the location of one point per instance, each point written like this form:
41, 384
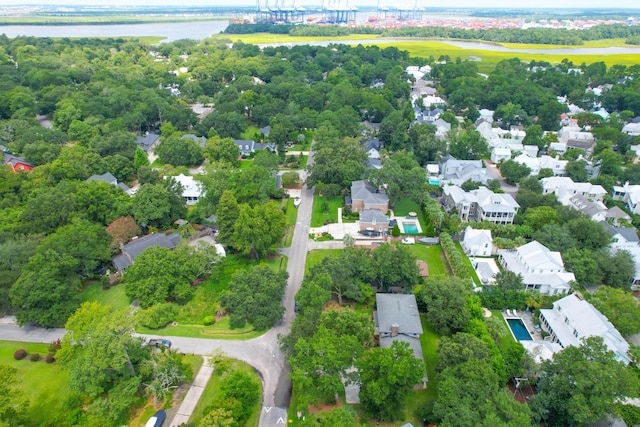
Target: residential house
365, 197
192, 190
265, 130
249, 146
454, 171
541, 268
477, 242
110, 179
486, 115
148, 141
597, 211
397, 318
374, 220
17, 164
499, 154
617, 216
543, 162
632, 129
629, 194
442, 128
372, 147
200, 140
133, 249
571, 319
480, 205
565, 188
621, 237
374, 163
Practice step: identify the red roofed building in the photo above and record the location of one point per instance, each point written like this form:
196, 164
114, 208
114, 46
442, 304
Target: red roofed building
17, 164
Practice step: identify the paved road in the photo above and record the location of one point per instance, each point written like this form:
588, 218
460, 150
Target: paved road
494, 173
263, 353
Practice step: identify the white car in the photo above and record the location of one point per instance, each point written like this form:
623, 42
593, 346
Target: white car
409, 241
296, 202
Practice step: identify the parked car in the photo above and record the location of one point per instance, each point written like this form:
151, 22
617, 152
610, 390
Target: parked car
157, 419
409, 241
160, 343
369, 233
296, 202
296, 307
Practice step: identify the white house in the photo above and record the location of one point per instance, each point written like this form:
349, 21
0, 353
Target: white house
564, 188
543, 162
192, 190
456, 171
486, 114
632, 129
572, 319
541, 268
499, 154
372, 147
477, 242
629, 194
480, 205
442, 128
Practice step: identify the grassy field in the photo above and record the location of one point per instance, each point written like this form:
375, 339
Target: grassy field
432, 255
406, 205
506, 340
45, 385
114, 297
620, 42
315, 256
263, 38
318, 216
291, 214
246, 164
212, 392
252, 132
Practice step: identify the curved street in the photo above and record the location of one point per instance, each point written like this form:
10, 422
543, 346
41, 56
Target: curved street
263, 352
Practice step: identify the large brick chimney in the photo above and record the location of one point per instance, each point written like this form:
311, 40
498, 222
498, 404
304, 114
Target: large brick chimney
394, 329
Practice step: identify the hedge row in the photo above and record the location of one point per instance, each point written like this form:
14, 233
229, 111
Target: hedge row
454, 257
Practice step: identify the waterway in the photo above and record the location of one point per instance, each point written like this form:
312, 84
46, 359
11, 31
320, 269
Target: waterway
201, 29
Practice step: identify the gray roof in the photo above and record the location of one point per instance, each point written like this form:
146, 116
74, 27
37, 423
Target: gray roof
265, 130
131, 250
629, 233
372, 143
260, 146
106, 177
246, 146
146, 141
361, 190
374, 163
399, 309
200, 140
13, 160
617, 213
373, 216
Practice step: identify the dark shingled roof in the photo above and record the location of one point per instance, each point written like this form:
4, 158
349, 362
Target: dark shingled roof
131, 250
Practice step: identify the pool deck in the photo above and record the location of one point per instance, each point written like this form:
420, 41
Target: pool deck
409, 220
527, 318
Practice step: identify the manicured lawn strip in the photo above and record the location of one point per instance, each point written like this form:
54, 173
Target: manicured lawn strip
114, 297
291, 214
156, 164
220, 330
433, 256
507, 340
303, 162
246, 164
45, 385
318, 217
316, 256
429, 342
467, 261
406, 205
212, 392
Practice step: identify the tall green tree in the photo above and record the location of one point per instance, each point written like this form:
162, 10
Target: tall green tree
386, 377
445, 299
13, 403
620, 307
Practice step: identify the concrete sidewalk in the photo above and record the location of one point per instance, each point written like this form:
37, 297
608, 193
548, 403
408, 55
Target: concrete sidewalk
193, 395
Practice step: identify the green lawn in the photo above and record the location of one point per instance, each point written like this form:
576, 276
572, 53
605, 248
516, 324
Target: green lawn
406, 205
433, 256
206, 298
157, 164
45, 385
291, 214
114, 297
212, 392
472, 271
318, 216
315, 256
246, 164
252, 132
507, 340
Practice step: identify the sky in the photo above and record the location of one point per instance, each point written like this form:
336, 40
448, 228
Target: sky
619, 4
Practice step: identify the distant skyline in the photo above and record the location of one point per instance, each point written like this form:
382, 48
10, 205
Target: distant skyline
632, 5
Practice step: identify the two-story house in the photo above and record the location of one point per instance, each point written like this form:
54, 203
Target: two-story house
480, 205
364, 197
572, 319
541, 269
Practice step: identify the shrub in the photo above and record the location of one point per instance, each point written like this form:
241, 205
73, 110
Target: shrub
49, 358
35, 357
54, 347
209, 320
20, 354
396, 230
158, 316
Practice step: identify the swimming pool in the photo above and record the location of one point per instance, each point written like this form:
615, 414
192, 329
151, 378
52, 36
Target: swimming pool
433, 181
410, 228
519, 330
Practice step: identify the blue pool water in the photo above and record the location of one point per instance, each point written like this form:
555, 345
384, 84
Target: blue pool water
434, 181
410, 228
519, 330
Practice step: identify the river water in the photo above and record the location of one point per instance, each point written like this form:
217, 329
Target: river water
201, 29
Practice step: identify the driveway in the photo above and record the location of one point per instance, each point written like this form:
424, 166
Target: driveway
494, 173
